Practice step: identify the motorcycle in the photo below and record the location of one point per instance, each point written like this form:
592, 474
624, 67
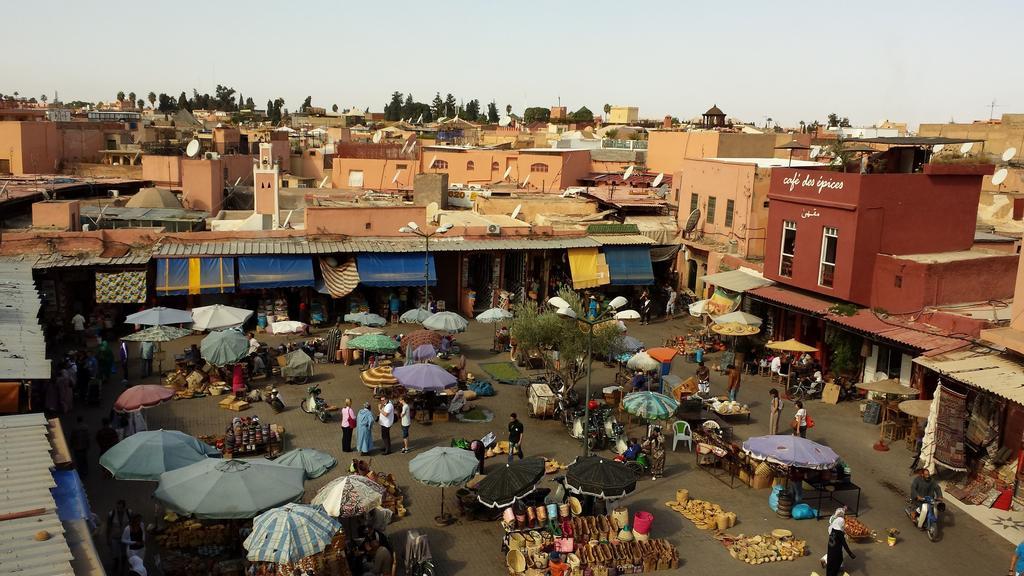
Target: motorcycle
933, 510
276, 404
314, 404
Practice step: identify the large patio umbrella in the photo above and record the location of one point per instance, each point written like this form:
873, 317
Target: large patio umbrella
146, 455
443, 466
789, 450
290, 533
739, 317
378, 377
418, 337
348, 496
597, 476
510, 482
424, 377
493, 315
888, 386
650, 405
360, 330
314, 462
734, 329
790, 345
446, 322
224, 489
792, 145
414, 316
224, 347
642, 361
377, 343
157, 334
366, 319
916, 408
218, 317
424, 352
142, 396
159, 316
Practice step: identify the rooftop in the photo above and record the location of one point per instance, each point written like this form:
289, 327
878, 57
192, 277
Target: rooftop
770, 162
914, 140
944, 257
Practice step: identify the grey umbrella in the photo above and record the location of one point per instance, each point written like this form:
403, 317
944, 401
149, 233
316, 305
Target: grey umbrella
443, 466
224, 347
223, 489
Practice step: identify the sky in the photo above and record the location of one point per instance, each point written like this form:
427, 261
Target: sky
906, 61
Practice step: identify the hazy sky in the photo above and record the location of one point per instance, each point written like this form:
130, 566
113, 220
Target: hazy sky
915, 61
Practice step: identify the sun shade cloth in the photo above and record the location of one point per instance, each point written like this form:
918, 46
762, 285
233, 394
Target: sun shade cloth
121, 287
736, 280
383, 270
339, 280
588, 268
721, 303
180, 276
255, 272
629, 265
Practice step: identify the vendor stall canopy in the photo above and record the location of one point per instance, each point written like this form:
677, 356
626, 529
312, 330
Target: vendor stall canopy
257, 272
383, 270
629, 265
179, 277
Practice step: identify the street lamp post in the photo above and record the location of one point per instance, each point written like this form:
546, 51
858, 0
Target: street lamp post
610, 314
413, 228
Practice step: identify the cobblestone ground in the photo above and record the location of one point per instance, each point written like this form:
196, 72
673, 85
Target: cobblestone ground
474, 547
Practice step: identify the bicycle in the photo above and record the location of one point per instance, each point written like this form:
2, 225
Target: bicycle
803, 389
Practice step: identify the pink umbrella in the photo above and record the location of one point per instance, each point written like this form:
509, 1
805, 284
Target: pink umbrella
142, 396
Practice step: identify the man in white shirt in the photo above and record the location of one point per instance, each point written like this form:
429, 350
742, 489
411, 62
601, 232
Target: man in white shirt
670, 306
776, 364
78, 323
406, 415
146, 352
386, 419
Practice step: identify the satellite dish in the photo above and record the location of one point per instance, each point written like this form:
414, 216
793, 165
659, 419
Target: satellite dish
515, 213
692, 220
192, 150
377, 136
504, 121
395, 178
627, 173
508, 171
1000, 176
412, 144
966, 147
432, 161
322, 182
1009, 153
658, 179
937, 148
526, 180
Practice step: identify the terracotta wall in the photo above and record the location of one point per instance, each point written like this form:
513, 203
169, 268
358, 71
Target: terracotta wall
377, 174
162, 171
359, 221
83, 145
901, 286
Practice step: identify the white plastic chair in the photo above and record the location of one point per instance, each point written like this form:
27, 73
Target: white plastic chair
681, 431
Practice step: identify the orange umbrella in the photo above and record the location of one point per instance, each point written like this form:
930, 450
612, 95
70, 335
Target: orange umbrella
662, 354
142, 396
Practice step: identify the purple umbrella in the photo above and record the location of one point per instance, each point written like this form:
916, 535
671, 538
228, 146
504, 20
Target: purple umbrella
424, 352
791, 450
425, 377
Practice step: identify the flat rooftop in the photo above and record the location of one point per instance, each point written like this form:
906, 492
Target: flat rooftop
943, 257
770, 162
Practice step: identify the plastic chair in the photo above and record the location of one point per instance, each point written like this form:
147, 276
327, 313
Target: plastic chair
681, 431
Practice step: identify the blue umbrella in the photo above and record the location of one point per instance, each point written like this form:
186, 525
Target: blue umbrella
790, 450
650, 405
224, 489
424, 377
290, 533
146, 455
628, 344
224, 347
424, 352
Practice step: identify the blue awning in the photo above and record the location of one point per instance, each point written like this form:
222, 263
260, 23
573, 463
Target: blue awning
256, 272
180, 276
629, 265
69, 495
394, 270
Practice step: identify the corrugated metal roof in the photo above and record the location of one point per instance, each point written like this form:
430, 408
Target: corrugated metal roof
622, 240
797, 300
1000, 375
22, 345
25, 484
737, 280
920, 336
78, 260
385, 245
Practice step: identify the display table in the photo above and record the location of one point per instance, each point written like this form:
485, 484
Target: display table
828, 492
715, 456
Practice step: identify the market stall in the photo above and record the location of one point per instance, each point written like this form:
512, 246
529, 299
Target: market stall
817, 466
888, 393
148, 454
247, 436
297, 536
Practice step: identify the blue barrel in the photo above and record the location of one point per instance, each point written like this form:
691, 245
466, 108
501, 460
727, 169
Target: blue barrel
261, 320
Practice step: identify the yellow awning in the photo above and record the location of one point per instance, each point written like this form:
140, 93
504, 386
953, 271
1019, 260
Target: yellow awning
588, 268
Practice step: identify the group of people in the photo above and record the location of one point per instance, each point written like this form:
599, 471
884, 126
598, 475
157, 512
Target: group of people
800, 422
361, 424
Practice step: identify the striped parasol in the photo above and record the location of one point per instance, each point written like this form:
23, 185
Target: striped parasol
378, 377
290, 533
650, 405
339, 279
349, 496
420, 337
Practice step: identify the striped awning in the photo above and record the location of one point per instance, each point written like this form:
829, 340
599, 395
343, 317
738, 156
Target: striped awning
340, 280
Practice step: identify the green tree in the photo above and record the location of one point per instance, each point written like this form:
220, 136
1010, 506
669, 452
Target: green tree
408, 108
393, 109
607, 111
152, 99
437, 106
224, 99
140, 103
250, 104
582, 115
536, 114
167, 103
120, 95
306, 104
241, 102
492, 113
42, 98
840, 155
450, 106
131, 97
183, 102
541, 330
473, 110
508, 109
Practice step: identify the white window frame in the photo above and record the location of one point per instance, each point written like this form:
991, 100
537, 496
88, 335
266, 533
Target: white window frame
826, 233
786, 225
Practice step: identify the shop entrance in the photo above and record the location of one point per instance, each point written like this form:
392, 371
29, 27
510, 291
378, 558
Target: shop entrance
482, 278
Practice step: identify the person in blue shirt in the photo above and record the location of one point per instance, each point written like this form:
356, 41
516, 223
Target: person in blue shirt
638, 382
592, 308
1017, 563
698, 354
633, 450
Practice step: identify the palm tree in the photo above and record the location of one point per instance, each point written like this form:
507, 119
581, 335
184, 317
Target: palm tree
607, 111
131, 97
152, 99
508, 108
42, 98
141, 103
120, 96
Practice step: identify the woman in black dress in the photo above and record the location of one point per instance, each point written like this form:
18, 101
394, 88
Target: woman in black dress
836, 544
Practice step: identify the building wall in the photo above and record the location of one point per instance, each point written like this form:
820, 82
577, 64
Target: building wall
458, 165
724, 181
377, 174
1007, 133
666, 150
83, 143
60, 214
358, 221
530, 208
309, 164
31, 147
203, 185
902, 286
162, 171
623, 115
104, 170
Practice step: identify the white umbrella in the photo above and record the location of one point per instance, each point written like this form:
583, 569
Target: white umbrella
159, 316
643, 361
698, 308
446, 322
493, 315
218, 317
738, 317
414, 316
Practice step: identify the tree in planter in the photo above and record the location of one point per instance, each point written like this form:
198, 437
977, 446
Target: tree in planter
845, 349
539, 329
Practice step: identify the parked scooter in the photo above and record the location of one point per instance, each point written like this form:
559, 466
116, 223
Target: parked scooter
276, 404
314, 404
932, 509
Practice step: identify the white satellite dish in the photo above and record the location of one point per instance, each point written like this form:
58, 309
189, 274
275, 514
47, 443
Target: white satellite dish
508, 171
627, 173
404, 147
966, 147
192, 150
432, 161
377, 136
1000, 176
420, 119
505, 121
937, 148
395, 178
526, 180
1009, 153
412, 144
322, 182
658, 179
515, 213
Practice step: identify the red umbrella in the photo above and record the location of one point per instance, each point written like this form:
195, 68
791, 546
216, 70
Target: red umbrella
418, 338
142, 396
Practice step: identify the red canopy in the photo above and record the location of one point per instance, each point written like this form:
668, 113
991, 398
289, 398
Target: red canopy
142, 396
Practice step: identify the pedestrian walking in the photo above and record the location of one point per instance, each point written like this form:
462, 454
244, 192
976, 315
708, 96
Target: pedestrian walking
146, 352
645, 308
775, 411
78, 324
799, 423
386, 419
515, 437
836, 544
122, 352
1017, 562
405, 414
364, 422
80, 446
117, 521
134, 538
734, 381
670, 304
348, 424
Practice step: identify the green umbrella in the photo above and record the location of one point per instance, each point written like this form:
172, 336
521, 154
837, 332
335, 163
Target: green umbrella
224, 347
443, 466
314, 462
157, 334
650, 405
146, 455
374, 343
225, 489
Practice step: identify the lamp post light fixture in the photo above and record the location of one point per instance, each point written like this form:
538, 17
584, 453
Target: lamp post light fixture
609, 314
413, 228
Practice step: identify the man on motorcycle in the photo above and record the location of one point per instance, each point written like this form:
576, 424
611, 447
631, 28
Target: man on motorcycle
924, 486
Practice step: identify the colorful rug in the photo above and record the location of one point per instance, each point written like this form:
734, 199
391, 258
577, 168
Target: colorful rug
949, 432
504, 372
